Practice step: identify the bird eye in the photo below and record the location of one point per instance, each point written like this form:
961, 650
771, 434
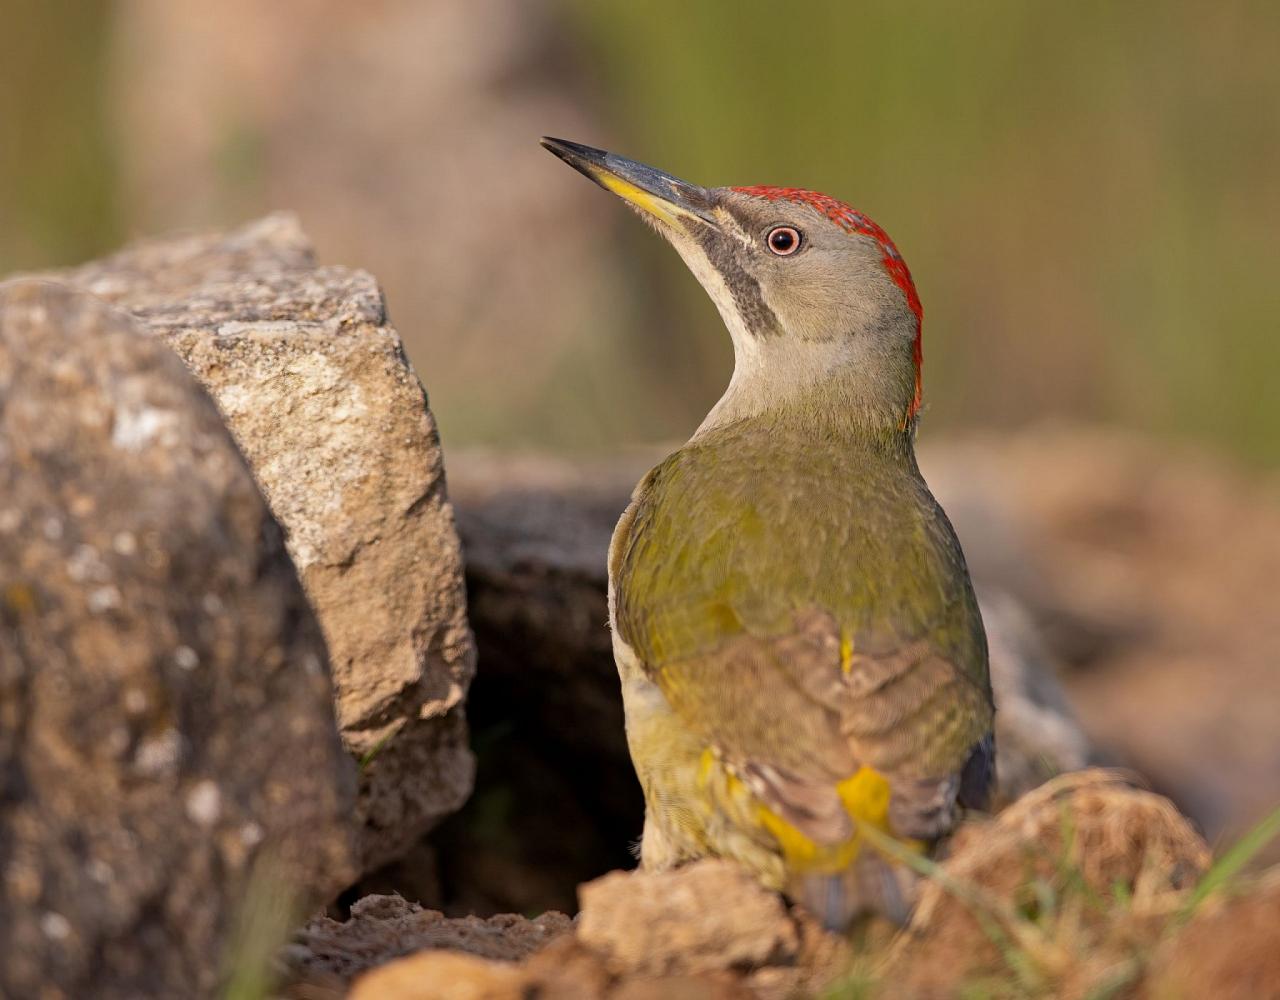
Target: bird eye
783, 240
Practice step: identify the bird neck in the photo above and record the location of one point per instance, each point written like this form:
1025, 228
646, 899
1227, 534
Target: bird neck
830, 398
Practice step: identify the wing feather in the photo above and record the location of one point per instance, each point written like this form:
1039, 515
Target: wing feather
801, 672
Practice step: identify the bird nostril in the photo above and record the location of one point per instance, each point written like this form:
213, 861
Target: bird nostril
783, 241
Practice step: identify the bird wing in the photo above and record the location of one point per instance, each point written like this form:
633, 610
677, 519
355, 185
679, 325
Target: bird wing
799, 670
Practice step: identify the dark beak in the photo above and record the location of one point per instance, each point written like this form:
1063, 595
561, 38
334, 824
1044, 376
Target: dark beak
660, 195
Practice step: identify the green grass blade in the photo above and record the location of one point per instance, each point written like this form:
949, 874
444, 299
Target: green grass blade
1229, 865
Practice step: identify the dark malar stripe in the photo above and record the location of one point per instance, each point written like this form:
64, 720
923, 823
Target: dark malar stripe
723, 253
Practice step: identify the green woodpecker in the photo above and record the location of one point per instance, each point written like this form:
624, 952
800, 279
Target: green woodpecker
803, 664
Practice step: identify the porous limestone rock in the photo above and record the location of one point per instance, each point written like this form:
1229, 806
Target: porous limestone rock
168, 752
311, 379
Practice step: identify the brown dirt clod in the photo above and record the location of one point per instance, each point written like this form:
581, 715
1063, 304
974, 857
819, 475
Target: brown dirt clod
1229, 951
1083, 838
384, 928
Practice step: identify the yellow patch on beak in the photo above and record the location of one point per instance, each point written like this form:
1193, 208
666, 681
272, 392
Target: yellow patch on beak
659, 208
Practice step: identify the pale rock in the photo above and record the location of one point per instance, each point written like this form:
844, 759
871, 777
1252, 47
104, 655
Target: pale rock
312, 380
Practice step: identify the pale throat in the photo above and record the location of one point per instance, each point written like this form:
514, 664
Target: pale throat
826, 383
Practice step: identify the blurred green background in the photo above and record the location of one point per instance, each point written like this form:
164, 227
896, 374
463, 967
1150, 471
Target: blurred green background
1088, 194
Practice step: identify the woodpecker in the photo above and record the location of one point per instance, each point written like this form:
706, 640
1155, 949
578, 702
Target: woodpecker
803, 663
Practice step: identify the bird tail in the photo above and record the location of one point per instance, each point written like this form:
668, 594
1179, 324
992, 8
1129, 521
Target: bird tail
872, 884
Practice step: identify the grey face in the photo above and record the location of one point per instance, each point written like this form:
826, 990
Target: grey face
816, 311
831, 284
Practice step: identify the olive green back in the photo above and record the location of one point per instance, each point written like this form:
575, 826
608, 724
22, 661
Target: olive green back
801, 599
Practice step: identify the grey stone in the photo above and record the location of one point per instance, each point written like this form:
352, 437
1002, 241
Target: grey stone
313, 383
168, 752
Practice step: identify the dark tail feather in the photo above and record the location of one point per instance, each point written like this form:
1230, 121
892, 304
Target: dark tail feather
978, 778
870, 885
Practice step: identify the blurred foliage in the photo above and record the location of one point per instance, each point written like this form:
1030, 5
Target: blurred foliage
57, 190
1088, 194
262, 924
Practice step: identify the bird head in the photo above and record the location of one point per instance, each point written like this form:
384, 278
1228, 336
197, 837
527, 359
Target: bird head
817, 299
